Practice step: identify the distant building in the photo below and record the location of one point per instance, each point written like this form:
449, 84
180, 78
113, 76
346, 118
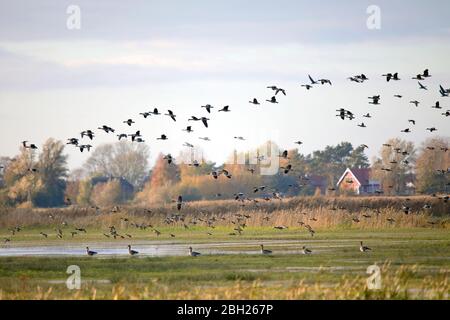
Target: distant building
358, 181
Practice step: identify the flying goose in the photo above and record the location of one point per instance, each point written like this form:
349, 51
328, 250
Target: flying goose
135, 135
272, 100
106, 129
307, 86
131, 251
171, 114
187, 144
426, 73
375, 100
444, 92
421, 86
193, 253
122, 135
324, 81
390, 76
265, 251
155, 112
415, 102
225, 109
204, 138
163, 137
276, 89
437, 105
254, 101
208, 107
312, 80
205, 121
85, 146
73, 141
145, 114
367, 115
87, 133
129, 122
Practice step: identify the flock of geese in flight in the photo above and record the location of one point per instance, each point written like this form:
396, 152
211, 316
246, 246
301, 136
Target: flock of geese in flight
240, 219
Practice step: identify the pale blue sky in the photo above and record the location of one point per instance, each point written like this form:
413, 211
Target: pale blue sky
131, 56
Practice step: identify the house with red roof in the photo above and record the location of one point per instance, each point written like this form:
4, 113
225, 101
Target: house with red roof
358, 181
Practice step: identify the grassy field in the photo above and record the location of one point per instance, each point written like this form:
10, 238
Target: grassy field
413, 252
415, 263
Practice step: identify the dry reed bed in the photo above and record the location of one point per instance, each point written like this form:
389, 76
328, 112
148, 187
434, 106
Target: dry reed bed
372, 212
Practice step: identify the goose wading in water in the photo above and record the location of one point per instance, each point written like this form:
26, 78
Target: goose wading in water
193, 253
89, 252
131, 251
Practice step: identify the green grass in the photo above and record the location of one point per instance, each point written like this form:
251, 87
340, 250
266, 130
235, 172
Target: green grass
415, 264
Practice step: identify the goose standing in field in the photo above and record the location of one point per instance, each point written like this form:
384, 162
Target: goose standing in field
363, 248
265, 251
306, 250
131, 251
193, 253
89, 252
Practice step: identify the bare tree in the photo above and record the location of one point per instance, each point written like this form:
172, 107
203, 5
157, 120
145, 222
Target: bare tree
121, 159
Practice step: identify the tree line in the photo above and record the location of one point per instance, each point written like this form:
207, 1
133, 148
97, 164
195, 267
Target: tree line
120, 173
